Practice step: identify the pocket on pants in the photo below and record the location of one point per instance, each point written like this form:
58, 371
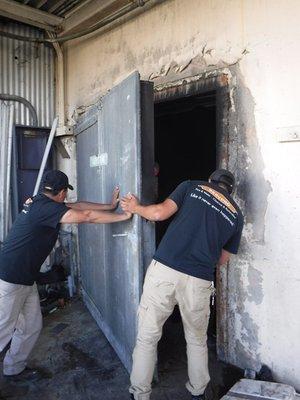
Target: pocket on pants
141, 314
158, 275
158, 293
201, 296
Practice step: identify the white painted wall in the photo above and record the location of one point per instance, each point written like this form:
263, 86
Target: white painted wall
261, 38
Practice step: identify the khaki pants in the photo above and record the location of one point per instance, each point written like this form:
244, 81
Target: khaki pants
165, 287
20, 322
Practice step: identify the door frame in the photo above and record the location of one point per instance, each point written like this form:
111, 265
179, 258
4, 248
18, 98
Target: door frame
221, 81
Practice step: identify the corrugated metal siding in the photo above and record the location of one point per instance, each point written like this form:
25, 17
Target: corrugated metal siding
27, 70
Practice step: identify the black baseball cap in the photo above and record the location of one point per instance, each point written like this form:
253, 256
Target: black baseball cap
225, 177
55, 180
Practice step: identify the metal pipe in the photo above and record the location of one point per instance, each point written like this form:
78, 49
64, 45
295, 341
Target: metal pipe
13, 97
125, 10
3, 145
8, 171
14, 177
60, 86
45, 156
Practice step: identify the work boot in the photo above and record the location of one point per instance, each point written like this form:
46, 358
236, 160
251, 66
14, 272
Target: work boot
9, 391
27, 375
201, 396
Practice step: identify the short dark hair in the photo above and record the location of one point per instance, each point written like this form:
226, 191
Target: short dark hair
52, 192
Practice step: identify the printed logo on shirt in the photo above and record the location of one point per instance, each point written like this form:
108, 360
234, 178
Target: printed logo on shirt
219, 196
26, 206
217, 201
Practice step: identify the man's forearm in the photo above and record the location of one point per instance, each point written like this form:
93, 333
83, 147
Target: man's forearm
99, 217
152, 212
93, 216
85, 205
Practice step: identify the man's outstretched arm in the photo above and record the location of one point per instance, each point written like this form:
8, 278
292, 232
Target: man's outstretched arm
85, 205
154, 212
93, 217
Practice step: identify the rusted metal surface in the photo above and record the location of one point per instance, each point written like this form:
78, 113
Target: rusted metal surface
112, 256
190, 86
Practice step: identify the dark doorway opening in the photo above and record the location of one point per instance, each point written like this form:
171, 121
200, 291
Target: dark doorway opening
189, 133
185, 143
185, 149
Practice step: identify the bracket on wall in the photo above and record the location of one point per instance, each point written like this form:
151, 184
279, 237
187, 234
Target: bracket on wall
60, 147
65, 130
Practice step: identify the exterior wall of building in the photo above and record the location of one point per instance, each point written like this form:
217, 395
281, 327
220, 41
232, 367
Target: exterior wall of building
27, 70
256, 43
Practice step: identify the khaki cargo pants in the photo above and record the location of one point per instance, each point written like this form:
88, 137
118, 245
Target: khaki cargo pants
20, 322
165, 287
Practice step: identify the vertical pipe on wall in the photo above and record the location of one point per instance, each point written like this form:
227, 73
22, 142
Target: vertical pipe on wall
45, 156
3, 126
8, 171
6, 135
60, 85
14, 177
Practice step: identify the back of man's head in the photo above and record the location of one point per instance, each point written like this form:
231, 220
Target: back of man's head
223, 178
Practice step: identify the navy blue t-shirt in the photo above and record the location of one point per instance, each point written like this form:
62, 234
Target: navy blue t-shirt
207, 221
30, 240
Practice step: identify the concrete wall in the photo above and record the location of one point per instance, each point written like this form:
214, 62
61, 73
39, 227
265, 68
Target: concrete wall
256, 43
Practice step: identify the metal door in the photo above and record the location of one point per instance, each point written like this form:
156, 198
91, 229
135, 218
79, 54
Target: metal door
31, 144
115, 147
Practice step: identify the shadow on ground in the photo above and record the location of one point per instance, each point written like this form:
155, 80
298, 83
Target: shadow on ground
83, 366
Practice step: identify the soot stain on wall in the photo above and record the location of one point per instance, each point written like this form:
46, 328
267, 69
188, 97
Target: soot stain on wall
252, 189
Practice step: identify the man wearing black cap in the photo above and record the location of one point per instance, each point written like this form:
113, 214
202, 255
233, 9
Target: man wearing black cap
29, 242
204, 233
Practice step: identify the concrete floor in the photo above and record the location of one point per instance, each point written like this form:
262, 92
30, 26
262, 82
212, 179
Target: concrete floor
82, 365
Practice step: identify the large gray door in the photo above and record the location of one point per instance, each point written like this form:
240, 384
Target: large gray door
115, 147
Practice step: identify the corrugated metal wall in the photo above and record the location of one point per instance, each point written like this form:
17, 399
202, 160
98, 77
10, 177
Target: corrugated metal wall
27, 70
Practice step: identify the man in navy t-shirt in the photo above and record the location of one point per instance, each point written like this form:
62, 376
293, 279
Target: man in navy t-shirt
29, 242
206, 230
